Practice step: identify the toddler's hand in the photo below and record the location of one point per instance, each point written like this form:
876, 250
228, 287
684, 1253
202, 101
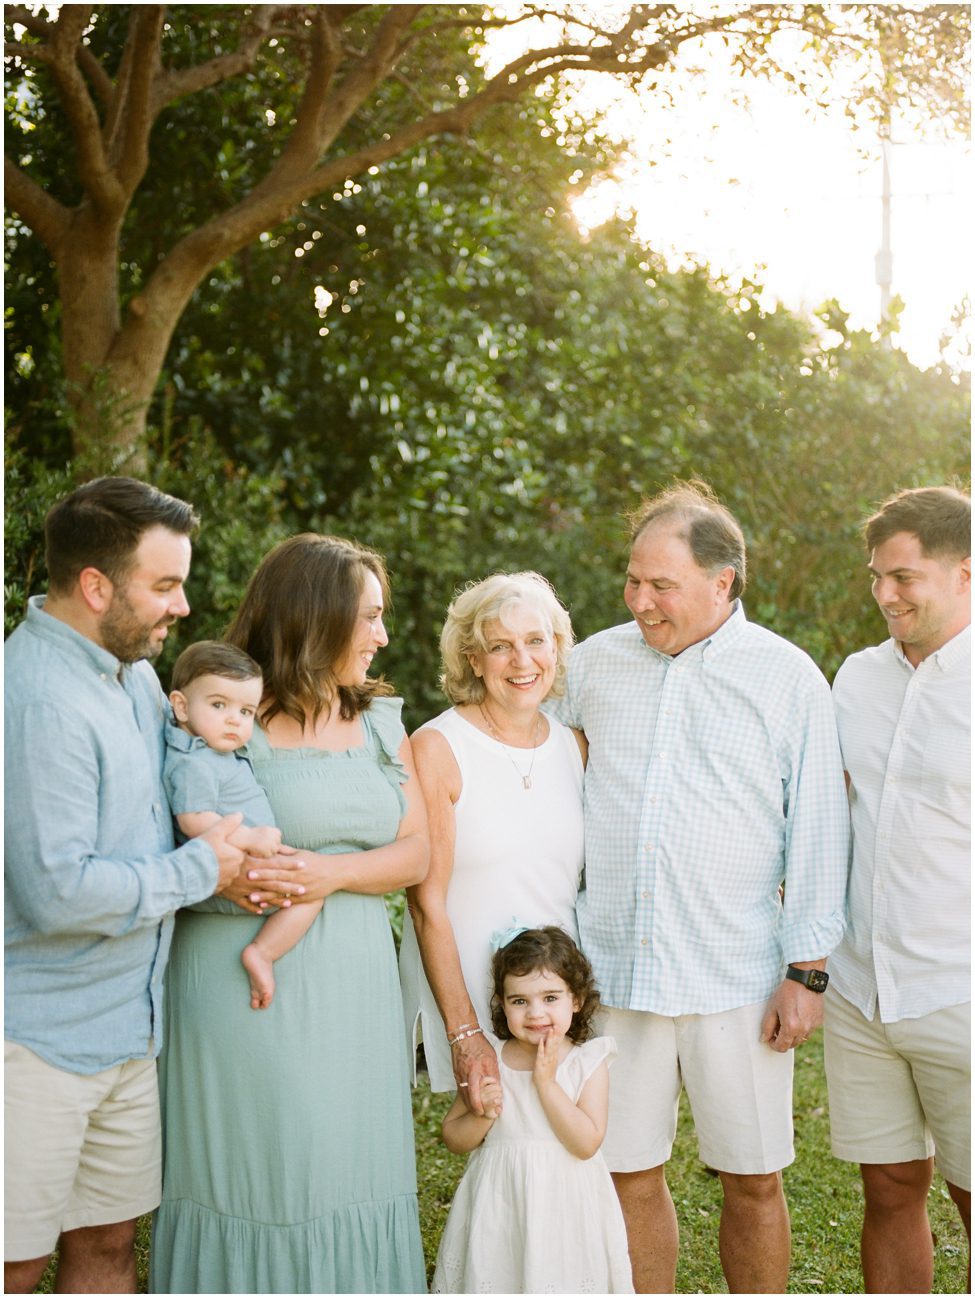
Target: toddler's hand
546, 1059
262, 841
491, 1097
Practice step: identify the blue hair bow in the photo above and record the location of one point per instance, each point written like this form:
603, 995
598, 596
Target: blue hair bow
503, 936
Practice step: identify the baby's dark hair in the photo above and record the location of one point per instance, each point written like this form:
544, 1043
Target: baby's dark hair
213, 658
553, 950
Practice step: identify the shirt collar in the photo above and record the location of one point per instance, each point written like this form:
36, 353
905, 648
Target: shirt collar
955, 653
180, 739
183, 742
52, 628
719, 640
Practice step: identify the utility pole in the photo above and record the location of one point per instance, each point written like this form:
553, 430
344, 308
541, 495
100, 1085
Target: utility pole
885, 257
884, 262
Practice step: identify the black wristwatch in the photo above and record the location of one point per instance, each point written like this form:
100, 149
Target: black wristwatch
815, 979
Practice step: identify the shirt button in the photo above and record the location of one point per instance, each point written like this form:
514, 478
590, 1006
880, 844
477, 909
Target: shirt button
650, 849
156, 808
646, 894
643, 941
652, 799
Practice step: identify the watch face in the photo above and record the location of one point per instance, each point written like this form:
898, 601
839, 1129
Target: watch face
818, 981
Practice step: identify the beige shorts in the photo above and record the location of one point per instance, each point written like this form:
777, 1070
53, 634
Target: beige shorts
900, 1091
79, 1151
740, 1090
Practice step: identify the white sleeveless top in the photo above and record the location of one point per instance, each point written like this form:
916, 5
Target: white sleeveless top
518, 859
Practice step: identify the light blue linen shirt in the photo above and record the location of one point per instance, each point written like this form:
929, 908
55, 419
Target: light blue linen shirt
91, 880
713, 777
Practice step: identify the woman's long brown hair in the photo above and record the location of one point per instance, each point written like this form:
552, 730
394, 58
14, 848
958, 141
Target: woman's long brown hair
297, 619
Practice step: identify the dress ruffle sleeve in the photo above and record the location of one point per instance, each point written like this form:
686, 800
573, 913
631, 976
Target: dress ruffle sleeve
592, 1053
385, 718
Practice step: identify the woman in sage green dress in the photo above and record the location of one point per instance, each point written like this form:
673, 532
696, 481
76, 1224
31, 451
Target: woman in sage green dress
288, 1142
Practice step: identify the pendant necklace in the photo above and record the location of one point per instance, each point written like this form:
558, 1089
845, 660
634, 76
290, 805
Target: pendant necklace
525, 777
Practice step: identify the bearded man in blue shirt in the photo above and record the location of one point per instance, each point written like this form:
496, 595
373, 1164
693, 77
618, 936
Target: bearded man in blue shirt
91, 882
714, 778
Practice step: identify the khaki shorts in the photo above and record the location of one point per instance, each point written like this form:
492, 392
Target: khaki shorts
80, 1150
900, 1091
740, 1090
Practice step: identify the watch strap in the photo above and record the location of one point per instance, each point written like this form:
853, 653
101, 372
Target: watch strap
816, 980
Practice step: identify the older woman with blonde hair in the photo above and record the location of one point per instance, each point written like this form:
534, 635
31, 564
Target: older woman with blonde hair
503, 788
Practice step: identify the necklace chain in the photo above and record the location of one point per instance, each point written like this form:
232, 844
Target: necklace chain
525, 777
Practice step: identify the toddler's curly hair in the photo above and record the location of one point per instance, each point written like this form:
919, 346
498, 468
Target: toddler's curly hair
550, 949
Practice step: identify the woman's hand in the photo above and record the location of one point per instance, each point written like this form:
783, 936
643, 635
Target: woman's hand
281, 879
475, 1063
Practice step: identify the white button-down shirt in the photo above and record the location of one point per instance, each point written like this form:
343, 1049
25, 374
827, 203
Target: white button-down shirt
905, 734
713, 777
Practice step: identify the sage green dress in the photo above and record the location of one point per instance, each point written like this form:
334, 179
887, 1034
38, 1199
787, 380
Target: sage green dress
288, 1142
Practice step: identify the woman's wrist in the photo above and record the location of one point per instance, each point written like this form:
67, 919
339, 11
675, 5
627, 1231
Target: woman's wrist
463, 1033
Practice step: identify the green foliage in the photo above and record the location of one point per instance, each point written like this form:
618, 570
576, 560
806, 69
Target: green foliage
241, 521
433, 361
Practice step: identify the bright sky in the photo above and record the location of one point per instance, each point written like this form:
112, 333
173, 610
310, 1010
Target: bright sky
780, 186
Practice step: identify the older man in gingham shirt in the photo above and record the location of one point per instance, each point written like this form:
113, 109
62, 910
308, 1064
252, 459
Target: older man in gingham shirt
714, 778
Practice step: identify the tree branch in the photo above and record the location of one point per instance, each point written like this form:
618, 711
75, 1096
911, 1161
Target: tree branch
186, 81
96, 74
374, 65
17, 15
131, 119
304, 145
48, 219
21, 16
93, 169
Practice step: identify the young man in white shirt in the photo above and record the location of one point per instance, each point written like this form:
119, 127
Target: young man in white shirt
898, 1054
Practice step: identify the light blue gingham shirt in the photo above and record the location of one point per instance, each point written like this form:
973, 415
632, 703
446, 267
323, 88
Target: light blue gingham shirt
713, 777
91, 879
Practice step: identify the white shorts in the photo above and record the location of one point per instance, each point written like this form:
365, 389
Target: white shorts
81, 1150
900, 1091
740, 1090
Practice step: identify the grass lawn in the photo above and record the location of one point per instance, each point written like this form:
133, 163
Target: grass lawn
824, 1197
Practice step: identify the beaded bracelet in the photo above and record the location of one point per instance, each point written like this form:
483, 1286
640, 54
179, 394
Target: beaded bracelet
452, 1032
462, 1036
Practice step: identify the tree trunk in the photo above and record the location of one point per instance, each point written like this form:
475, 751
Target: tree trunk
111, 364
90, 325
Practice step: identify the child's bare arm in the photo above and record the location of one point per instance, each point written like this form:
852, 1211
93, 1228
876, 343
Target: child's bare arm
255, 840
580, 1126
195, 823
464, 1130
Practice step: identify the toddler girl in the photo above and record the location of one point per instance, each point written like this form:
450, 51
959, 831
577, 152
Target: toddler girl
216, 692
536, 1211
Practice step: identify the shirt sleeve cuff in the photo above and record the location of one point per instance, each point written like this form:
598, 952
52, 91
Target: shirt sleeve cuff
202, 874
812, 939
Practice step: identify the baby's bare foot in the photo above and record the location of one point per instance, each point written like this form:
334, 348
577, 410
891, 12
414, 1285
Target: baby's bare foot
260, 972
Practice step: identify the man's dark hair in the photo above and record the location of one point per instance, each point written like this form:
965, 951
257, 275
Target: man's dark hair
709, 529
213, 658
101, 524
940, 518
